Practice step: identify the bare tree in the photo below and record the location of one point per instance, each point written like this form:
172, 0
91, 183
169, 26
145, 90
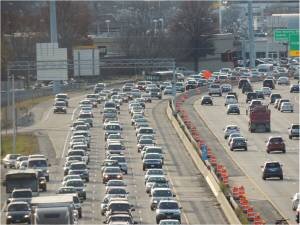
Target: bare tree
191, 30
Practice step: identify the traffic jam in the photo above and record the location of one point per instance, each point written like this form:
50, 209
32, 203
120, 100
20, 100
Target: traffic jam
28, 175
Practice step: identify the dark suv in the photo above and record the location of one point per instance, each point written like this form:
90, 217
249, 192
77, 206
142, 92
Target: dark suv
272, 169
251, 96
269, 83
60, 107
274, 96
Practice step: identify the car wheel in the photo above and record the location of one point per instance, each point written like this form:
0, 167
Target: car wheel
47, 178
268, 151
281, 177
283, 151
264, 178
87, 180
5, 166
290, 137
143, 168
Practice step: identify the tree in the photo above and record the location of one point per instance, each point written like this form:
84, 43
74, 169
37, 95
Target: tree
191, 30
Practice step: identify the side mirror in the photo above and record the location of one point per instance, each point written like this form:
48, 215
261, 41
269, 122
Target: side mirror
261, 166
3, 183
49, 164
174, 195
133, 209
101, 112
180, 207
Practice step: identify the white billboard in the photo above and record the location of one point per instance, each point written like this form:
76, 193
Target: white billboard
51, 62
86, 62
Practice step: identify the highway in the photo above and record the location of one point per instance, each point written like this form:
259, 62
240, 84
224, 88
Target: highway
244, 167
53, 130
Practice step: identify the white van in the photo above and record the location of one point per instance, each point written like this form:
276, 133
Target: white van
265, 68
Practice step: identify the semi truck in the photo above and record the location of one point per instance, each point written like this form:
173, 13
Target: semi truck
259, 119
54, 209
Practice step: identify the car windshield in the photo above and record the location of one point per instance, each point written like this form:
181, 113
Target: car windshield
85, 115
146, 131
295, 126
115, 183
60, 104
114, 136
112, 127
75, 183
112, 170
22, 194
119, 191
119, 159
115, 147
146, 141
155, 172
168, 205
152, 156
37, 163
162, 193
273, 165
78, 166
157, 179
81, 153
13, 156
121, 219
119, 207
273, 140
18, 207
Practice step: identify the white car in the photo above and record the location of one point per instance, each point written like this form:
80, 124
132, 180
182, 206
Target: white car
283, 80
266, 91
233, 135
229, 129
230, 99
286, 107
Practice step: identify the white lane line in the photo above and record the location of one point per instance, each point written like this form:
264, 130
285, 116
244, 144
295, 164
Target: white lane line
65, 145
73, 113
48, 114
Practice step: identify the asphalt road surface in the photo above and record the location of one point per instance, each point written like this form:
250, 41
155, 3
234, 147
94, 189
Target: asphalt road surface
53, 130
279, 192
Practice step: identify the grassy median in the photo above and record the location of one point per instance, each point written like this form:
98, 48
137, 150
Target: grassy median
26, 143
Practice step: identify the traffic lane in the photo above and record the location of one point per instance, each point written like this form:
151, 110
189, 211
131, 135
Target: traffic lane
135, 176
210, 139
199, 204
255, 157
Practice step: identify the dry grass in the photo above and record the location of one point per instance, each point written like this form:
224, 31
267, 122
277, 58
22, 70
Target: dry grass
26, 144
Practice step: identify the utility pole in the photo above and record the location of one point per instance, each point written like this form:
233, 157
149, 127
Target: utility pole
174, 82
53, 34
252, 51
14, 113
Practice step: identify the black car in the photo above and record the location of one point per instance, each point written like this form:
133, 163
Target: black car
206, 100
42, 180
269, 83
243, 82
152, 163
18, 212
251, 96
60, 107
247, 88
274, 96
271, 170
295, 88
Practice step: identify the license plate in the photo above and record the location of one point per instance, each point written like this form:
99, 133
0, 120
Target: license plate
152, 166
169, 216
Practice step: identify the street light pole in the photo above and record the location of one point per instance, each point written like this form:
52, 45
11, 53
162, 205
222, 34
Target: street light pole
107, 24
14, 113
162, 24
155, 23
251, 35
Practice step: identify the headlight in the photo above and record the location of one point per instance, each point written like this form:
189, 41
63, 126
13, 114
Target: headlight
9, 217
26, 216
106, 176
155, 201
119, 176
47, 171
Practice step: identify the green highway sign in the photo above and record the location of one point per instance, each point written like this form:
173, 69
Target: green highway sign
294, 42
284, 34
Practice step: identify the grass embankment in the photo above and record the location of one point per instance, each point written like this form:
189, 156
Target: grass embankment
22, 107
26, 144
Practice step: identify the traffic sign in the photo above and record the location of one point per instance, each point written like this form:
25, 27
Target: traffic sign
294, 47
284, 34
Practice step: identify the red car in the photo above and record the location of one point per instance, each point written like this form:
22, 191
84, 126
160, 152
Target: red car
275, 144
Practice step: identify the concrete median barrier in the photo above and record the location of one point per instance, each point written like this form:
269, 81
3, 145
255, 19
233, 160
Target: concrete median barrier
210, 179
